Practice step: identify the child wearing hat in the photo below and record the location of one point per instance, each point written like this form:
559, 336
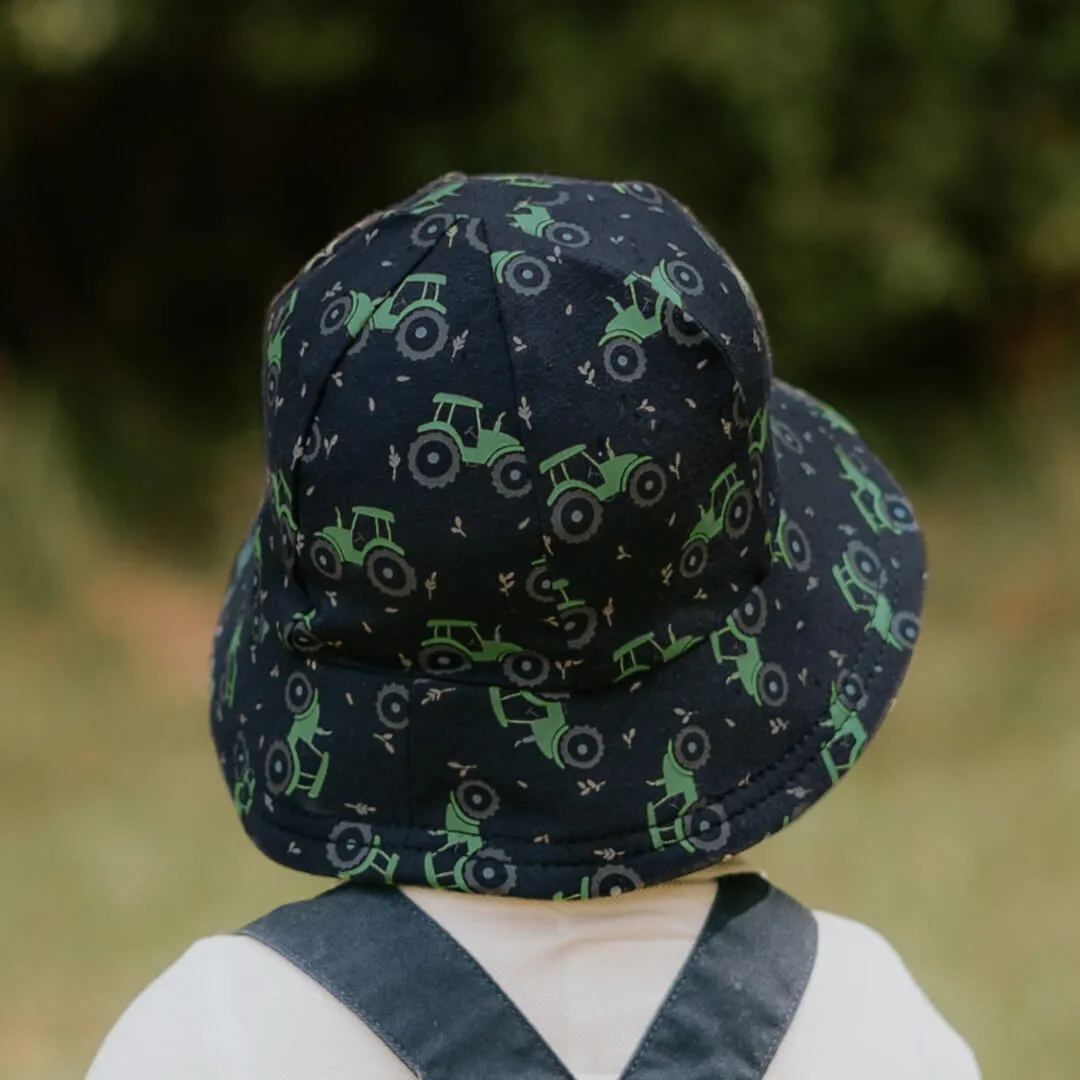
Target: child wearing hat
556, 604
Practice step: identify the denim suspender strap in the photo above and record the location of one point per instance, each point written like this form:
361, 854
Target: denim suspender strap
446, 1019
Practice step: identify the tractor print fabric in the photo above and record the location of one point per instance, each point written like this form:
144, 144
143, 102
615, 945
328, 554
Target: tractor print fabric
555, 591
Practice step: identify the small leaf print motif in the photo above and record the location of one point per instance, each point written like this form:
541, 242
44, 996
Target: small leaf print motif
435, 693
609, 609
628, 737
371, 404
725, 423
691, 403
461, 770
387, 740
523, 525
569, 309
564, 666
457, 527
666, 573
544, 839
394, 461
609, 854
676, 465
590, 787
406, 663
331, 443
294, 849
701, 594
701, 363
459, 343
338, 378
363, 809
431, 584
525, 413
506, 583
622, 553
777, 724
646, 407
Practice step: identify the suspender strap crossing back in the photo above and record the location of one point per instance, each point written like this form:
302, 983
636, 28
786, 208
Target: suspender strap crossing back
446, 1019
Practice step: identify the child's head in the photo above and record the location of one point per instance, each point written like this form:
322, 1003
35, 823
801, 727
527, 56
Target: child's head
554, 590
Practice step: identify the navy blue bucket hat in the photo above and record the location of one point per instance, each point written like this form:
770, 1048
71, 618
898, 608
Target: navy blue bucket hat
555, 590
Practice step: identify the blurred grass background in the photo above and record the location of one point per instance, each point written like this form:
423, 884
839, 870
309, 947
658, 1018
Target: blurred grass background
900, 179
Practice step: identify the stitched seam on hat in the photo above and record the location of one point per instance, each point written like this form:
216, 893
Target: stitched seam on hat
504, 327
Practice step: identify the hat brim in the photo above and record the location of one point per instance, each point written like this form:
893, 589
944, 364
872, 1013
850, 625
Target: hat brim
675, 767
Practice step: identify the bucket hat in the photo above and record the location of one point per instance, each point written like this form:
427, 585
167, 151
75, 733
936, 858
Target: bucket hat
555, 591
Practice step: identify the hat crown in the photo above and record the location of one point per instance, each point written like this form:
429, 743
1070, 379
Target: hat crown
517, 435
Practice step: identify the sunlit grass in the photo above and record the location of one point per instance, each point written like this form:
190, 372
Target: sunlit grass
956, 837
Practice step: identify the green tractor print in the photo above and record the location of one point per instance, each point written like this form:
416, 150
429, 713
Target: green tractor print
631, 661
455, 645
283, 511
522, 180
847, 697
286, 758
698, 825
534, 218
580, 746
576, 504
882, 512
834, 418
434, 199
790, 545
457, 436
227, 687
366, 541
279, 327
354, 848
523, 273
463, 862
861, 579
243, 777
574, 617
655, 305
413, 313
613, 880
729, 511
736, 643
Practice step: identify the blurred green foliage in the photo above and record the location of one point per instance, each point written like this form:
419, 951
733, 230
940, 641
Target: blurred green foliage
897, 178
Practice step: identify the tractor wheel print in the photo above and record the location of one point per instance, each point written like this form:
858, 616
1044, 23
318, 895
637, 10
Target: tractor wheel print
751, 612
241, 756
899, 514
757, 474
477, 799
707, 826
279, 767
851, 690
866, 567
490, 872
646, 193
581, 747
421, 335
772, 685
646, 484
349, 844
740, 509
691, 748
567, 234
299, 693
428, 231
539, 584
443, 660
579, 626
272, 378
786, 436
325, 558
685, 277
527, 275
311, 446
905, 628
392, 706
298, 637
390, 573
576, 516
526, 668
694, 558
624, 359
614, 881
434, 460
793, 541
473, 237
681, 326
510, 476
336, 315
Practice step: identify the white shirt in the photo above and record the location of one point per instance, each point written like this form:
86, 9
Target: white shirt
588, 976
